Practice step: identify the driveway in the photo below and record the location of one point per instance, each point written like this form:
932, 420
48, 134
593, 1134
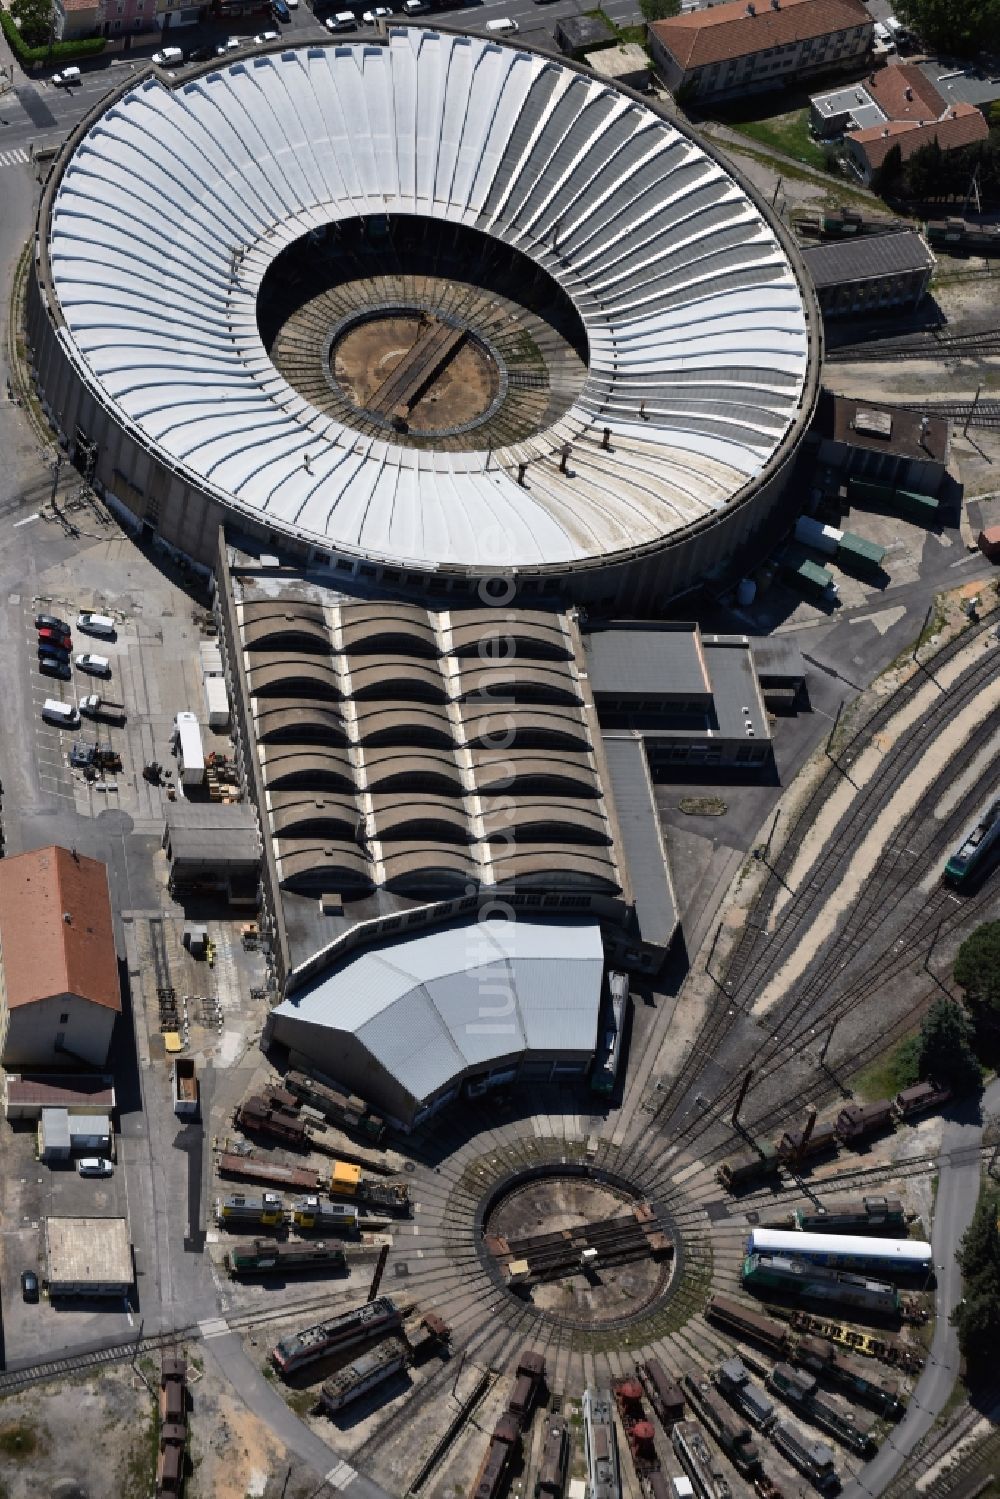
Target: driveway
958, 1191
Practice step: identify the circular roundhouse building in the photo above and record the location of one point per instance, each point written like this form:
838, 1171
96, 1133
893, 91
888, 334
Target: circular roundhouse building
424, 309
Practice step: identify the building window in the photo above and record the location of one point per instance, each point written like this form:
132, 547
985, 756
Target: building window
64, 1019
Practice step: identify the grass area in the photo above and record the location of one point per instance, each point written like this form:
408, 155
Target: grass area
139, 1476
893, 1070
788, 133
18, 1440
300, 1401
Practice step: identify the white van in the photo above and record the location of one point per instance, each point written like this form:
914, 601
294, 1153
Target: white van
415, 7
502, 26
63, 715
169, 57
343, 21
96, 624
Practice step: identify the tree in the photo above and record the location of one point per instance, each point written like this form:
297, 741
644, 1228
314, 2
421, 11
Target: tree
928, 173
946, 1047
659, 10
886, 177
977, 1317
977, 969
35, 20
959, 28
980, 1251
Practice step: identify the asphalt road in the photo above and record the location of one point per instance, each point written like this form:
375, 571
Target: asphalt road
958, 1190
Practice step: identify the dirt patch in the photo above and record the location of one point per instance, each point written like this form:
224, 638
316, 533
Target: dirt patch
232, 1453
459, 390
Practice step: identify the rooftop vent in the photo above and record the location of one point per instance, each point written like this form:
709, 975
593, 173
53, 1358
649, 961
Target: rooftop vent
909, 92
775, 4
751, 8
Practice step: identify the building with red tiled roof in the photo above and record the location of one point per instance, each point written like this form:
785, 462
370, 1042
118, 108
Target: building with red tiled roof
59, 985
748, 46
893, 93
961, 125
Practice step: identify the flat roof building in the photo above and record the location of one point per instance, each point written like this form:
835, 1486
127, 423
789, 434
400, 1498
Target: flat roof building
88, 1257
887, 444
213, 845
59, 986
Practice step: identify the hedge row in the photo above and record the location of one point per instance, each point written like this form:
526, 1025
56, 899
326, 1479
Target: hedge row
58, 52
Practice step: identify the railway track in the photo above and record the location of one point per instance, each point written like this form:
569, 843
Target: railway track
981, 344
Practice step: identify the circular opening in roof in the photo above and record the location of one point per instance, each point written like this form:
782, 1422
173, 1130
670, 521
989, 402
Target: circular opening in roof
428, 333
581, 1244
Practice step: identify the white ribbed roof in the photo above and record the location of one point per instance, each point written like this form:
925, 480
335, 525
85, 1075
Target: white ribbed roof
176, 201
427, 1008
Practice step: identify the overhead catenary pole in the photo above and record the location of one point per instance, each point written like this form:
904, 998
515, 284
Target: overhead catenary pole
741, 1095
379, 1268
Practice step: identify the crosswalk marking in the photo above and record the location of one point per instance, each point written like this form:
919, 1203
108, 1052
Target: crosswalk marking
341, 1475
14, 157
215, 1327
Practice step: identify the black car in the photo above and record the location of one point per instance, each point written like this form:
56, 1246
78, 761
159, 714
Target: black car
50, 668
52, 652
50, 622
201, 54
29, 1285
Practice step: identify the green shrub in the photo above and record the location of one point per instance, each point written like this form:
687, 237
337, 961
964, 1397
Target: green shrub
59, 52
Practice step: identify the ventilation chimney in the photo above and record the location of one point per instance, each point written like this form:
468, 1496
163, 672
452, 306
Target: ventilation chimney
775, 4
751, 8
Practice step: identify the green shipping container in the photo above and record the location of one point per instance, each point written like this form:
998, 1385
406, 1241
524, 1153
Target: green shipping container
810, 576
858, 554
920, 507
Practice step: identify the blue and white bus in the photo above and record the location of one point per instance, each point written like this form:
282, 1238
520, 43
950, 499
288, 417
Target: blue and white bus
846, 1251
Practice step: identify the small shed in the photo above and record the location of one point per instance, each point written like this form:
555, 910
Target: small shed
575, 35
62, 1134
27, 1094
88, 1257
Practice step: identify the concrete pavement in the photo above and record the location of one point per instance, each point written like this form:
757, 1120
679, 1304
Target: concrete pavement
958, 1192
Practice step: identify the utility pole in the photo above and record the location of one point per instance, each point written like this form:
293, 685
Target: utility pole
972, 410
744, 1088
377, 1277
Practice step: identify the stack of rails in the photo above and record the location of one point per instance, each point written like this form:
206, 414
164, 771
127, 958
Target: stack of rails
364, 1373
616, 1240
335, 1334
264, 1257
733, 1435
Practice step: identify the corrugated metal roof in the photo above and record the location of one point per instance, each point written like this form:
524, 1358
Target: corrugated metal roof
464, 996
645, 852
849, 260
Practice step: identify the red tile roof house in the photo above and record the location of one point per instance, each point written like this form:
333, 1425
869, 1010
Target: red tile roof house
747, 46
59, 987
960, 125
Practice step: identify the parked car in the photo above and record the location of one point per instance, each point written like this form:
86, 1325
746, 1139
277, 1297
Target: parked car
231, 44
63, 715
280, 11
167, 57
502, 26
263, 37
94, 1165
55, 637
98, 666
201, 54
377, 13
51, 622
66, 77
52, 652
343, 20
415, 7
29, 1285
50, 668
97, 624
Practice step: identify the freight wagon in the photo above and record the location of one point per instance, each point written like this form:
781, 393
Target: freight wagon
262, 1257
551, 1478
323, 1338
751, 1168
504, 1446
918, 1099
699, 1462
257, 1116
812, 1282
255, 1168
638, 1429
804, 1144
527, 1385
911, 1257
732, 1434
666, 1397
337, 1107
744, 1322
865, 1214
858, 1122
364, 1373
